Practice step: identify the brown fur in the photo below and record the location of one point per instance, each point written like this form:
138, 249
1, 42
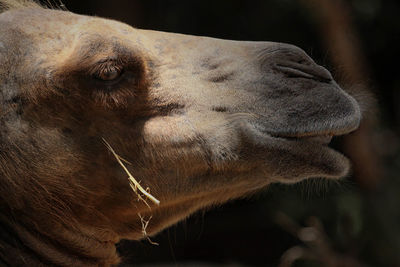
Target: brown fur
11, 4
201, 120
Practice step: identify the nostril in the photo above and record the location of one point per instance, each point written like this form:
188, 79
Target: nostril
287, 52
302, 61
293, 62
294, 69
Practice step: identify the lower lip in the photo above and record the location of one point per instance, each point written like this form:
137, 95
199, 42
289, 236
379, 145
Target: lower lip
323, 139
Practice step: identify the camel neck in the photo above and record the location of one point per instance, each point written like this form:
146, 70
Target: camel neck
52, 247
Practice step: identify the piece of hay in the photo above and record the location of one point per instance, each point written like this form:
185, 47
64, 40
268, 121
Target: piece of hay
138, 189
145, 223
135, 185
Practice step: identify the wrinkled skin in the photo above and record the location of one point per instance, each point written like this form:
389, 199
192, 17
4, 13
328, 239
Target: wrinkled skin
201, 121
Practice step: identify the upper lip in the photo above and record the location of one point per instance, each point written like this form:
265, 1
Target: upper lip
321, 136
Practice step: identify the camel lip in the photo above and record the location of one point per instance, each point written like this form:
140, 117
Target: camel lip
320, 139
315, 136
312, 151
319, 147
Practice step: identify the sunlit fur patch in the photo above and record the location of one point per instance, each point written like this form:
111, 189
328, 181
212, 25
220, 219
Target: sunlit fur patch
16, 4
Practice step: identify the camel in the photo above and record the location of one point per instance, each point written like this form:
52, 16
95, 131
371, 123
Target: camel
109, 132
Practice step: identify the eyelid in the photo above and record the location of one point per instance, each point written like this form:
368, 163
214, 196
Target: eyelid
106, 64
107, 60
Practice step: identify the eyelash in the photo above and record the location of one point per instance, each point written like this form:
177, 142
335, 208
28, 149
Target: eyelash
106, 66
109, 73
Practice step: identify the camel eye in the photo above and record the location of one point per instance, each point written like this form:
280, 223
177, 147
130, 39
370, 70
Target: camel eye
110, 73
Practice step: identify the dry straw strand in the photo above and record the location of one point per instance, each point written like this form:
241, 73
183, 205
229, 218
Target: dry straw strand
135, 185
145, 223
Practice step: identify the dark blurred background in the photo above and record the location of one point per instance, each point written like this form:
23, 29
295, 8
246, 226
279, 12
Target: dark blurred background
316, 223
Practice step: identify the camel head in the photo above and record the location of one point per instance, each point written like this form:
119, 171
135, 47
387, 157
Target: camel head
196, 121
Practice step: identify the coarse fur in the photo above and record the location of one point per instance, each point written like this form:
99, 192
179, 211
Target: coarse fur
201, 121
11, 4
